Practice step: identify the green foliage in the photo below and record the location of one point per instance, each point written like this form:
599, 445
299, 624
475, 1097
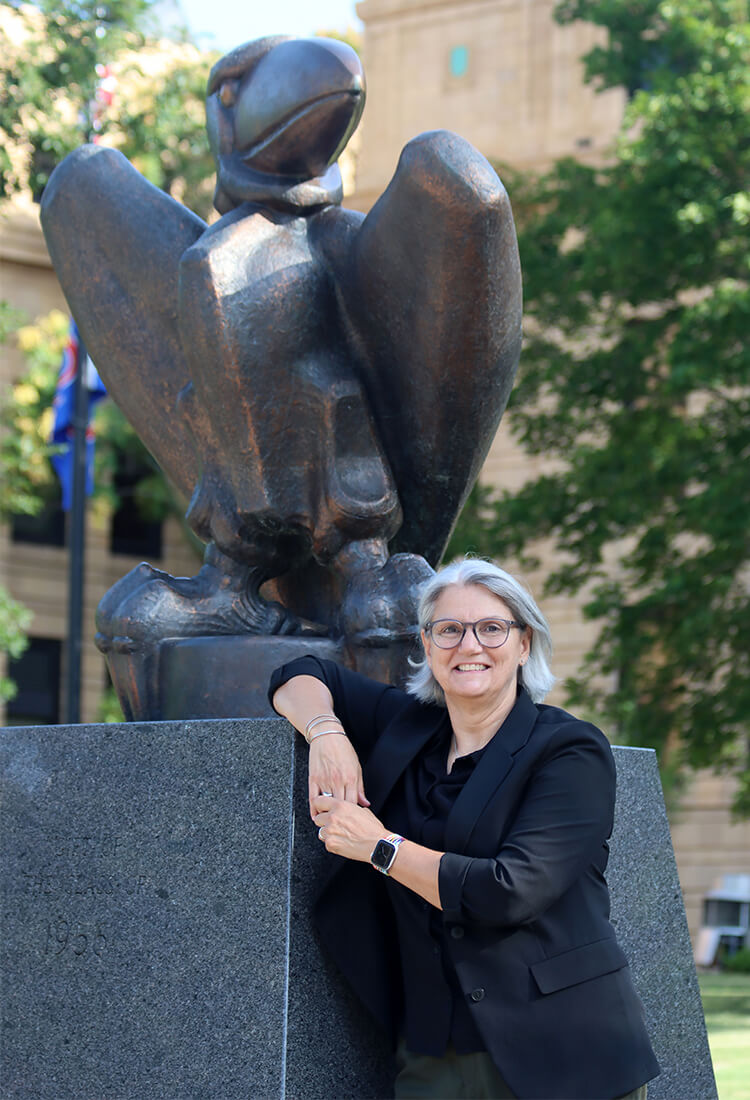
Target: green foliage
28, 480
118, 447
25, 412
51, 51
474, 532
48, 79
14, 622
24, 470
649, 42
635, 382
738, 963
109, 709
163, 132
726, 1004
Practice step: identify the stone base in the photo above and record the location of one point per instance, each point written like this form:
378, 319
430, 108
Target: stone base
649, 917
227, 677
157, 883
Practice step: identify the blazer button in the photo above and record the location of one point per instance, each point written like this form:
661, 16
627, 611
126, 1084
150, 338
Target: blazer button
477, 994
457, 932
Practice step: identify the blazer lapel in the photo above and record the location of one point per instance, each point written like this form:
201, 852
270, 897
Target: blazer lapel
489, 773
398, 744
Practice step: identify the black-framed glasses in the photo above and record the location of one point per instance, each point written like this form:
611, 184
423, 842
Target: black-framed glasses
449, 633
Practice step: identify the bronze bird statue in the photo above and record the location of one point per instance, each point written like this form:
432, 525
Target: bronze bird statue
321, 385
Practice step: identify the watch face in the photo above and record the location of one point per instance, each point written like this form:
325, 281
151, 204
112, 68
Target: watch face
383, 854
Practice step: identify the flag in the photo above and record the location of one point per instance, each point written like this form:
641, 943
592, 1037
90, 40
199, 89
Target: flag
63, 410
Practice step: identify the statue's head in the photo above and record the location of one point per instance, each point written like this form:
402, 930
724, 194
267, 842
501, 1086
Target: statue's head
279, 112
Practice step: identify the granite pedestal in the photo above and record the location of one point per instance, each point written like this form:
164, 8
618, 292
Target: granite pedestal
157, 880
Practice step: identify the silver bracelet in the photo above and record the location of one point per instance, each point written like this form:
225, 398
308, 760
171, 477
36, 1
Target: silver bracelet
324, 733
318, 718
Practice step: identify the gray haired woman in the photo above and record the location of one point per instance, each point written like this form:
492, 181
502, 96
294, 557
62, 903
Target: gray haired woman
482, 944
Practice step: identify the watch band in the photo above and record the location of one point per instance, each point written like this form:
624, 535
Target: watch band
384, 852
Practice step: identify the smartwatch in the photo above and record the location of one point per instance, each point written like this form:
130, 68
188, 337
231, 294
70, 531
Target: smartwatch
384, 852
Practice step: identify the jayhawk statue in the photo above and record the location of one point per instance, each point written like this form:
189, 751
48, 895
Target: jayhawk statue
321, 385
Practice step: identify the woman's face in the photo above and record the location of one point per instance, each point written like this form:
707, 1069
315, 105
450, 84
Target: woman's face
473, 671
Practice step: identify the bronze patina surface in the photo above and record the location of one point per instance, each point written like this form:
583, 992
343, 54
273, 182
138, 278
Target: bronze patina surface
321, 385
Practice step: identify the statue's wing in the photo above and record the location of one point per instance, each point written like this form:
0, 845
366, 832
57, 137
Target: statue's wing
431, 283
115, 241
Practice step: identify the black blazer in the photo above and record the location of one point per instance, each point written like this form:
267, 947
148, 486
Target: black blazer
522, 887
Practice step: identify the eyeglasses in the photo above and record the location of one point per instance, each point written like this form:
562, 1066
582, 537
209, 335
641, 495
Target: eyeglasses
449, 633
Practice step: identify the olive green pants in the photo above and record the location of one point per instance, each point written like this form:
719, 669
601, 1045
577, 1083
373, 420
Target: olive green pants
457, 1077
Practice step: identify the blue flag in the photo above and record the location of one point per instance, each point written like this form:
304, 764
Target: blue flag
63, 408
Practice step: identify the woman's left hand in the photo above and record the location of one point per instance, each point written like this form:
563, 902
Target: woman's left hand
346, 829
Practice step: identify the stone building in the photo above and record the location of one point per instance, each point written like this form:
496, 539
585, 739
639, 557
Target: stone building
505, 76
501, 73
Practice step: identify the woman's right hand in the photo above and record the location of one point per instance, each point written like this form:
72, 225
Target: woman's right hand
335, 770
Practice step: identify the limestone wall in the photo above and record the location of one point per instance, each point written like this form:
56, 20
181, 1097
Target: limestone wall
501, 73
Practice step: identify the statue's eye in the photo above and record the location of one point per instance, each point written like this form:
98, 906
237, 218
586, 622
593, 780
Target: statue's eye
228, 93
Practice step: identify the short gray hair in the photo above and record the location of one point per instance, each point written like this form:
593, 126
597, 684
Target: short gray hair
535, 675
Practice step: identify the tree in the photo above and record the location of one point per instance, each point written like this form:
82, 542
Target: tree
55, 54
15, 620
25, 412
635, 383
23, 468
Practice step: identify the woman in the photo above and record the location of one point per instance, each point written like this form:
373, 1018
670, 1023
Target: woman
485, 947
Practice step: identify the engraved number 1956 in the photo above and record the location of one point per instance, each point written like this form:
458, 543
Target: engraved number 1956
79, 939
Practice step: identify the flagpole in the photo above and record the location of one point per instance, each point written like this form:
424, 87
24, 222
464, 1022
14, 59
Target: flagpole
77, 536
103, 96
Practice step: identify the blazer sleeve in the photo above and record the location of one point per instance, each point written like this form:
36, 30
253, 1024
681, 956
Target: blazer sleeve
560, 829
364, 706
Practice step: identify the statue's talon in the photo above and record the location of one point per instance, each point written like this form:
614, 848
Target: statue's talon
380, 603
148, 605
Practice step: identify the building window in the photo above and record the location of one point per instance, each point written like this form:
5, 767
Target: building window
459, 61
130, 532
46, 528
36, 675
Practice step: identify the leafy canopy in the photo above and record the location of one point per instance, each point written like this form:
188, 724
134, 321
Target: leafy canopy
55, 55
24, 470
635, 383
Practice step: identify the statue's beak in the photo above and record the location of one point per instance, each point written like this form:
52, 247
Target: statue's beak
297, 108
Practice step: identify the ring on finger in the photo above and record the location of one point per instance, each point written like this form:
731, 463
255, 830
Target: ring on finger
327, 794
320, 833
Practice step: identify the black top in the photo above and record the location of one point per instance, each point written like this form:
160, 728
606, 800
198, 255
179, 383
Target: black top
435, 1012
